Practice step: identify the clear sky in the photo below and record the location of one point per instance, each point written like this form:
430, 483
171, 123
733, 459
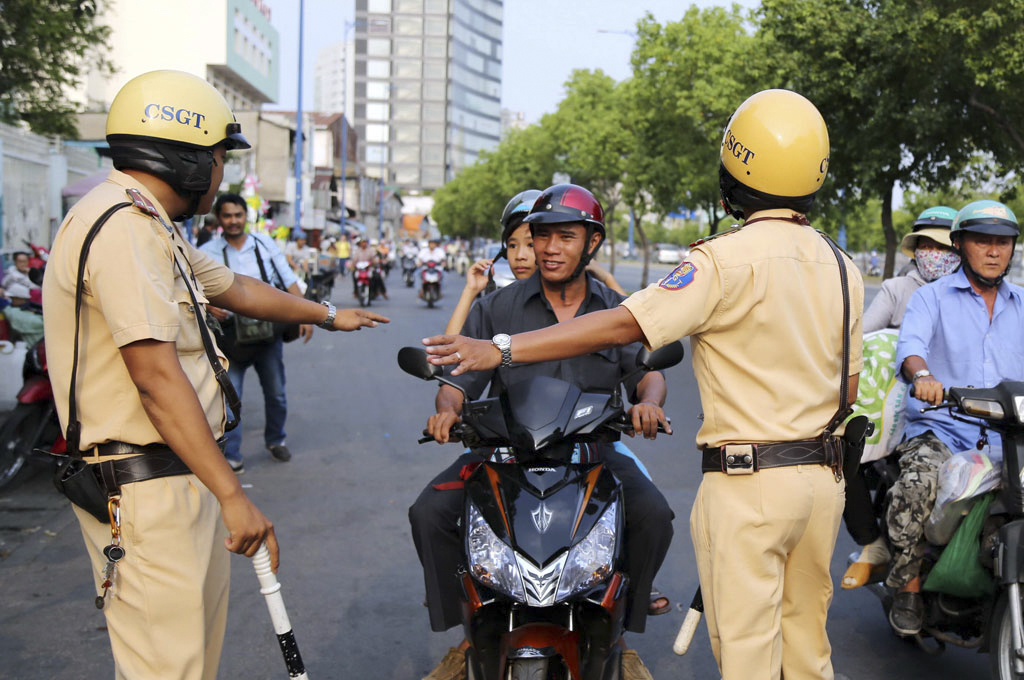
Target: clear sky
544, 40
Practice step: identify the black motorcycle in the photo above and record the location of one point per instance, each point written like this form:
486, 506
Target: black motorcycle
320, 284
543, 586
991, 623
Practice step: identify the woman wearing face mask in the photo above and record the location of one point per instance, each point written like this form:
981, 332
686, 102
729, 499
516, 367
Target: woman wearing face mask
932, 255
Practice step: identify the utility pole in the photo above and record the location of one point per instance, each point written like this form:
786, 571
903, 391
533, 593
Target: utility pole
298, 130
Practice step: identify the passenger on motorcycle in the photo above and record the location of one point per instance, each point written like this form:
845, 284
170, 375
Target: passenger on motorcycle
932, 256
568, 228
963, 329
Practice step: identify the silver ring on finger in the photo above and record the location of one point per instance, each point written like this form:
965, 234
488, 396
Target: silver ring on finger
458, 356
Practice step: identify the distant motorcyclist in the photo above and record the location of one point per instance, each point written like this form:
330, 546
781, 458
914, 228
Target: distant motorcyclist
432, 253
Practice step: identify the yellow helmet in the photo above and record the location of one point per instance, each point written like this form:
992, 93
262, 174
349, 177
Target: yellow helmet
774, 153
166, 123
174, 106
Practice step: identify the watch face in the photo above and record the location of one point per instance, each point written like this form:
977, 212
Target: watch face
501, 339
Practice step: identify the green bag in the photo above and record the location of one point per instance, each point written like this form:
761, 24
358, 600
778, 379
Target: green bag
958, 571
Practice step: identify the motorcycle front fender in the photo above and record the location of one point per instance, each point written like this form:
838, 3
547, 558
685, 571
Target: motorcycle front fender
35, 390
1009, 562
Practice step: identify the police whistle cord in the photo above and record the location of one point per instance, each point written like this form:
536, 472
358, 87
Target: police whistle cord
271, 590
689, 627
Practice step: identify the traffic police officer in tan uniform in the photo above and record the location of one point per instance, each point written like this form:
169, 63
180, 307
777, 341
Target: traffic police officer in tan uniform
763, 307
146, 392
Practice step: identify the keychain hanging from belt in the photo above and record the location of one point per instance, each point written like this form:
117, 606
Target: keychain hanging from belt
113, 552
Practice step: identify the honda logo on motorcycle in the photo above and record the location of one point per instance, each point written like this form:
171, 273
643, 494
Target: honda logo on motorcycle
542, 517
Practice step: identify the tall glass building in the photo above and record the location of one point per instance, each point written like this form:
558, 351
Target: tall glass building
427, 87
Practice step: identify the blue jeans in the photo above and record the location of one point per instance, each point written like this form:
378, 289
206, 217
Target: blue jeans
269, 365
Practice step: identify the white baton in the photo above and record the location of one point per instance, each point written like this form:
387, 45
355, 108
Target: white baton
271, 589
689, 627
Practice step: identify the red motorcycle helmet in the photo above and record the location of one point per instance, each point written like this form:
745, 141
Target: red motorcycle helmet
564, 203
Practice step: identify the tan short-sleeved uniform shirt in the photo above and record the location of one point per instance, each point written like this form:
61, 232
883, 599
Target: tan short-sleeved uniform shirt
133, 291
764, 312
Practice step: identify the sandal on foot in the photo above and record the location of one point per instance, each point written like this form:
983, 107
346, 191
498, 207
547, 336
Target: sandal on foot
862, 573
654, 609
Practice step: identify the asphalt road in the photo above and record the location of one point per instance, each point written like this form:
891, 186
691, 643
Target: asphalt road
351, 579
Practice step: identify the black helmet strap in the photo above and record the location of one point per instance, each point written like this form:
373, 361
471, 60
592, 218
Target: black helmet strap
188, 170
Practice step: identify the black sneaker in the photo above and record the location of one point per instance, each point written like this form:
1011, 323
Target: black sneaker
237, 465
280, 452
907, 614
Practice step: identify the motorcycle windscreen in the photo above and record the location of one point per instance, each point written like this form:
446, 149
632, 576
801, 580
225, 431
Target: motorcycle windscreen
538, 411
547, 509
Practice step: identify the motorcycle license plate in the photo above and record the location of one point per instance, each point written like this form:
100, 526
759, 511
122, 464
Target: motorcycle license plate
431, 277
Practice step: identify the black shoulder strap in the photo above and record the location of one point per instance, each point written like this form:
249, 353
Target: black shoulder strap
263, 272
73, 434
221, 375
844, 383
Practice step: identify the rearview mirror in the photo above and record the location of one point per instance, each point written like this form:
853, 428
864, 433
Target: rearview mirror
413, 361
661, 358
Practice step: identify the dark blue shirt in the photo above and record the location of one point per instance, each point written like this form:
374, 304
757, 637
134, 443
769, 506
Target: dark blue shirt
521, 307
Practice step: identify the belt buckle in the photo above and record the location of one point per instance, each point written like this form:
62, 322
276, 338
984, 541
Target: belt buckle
739, 459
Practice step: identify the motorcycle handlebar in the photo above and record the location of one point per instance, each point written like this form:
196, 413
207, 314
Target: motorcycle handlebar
454, 435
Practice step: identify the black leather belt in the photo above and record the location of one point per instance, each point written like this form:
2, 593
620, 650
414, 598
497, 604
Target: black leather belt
745, 459
155, 461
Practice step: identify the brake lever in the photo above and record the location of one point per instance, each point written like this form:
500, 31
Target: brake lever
945, 404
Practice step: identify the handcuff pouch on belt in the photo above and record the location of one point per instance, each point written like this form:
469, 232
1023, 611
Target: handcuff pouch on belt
739, 459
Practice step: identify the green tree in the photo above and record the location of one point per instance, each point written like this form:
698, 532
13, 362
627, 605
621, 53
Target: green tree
44, 47
896, 88
688, 78
589, 141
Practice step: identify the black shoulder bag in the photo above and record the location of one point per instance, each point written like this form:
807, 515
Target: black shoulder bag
287, 331
75, 478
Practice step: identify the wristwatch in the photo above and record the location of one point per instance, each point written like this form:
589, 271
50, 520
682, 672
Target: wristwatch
332, 311
923, 373
504, 343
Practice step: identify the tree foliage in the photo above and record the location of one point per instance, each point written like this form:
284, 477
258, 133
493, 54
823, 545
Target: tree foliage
44, 47
923, 95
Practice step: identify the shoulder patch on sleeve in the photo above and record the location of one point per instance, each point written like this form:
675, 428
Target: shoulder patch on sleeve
680, 278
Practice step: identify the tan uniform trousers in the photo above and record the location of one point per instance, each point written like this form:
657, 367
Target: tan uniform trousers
167, 610
764, 543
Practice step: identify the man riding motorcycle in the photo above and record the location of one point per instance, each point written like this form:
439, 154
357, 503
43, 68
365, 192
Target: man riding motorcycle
568, 228
963, 329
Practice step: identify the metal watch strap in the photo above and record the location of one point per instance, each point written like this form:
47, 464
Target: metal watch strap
332, 311
923, 373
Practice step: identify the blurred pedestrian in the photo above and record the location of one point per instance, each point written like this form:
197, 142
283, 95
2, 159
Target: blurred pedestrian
249, 342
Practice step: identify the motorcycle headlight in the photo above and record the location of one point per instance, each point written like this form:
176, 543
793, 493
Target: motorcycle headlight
491, 561
590, 560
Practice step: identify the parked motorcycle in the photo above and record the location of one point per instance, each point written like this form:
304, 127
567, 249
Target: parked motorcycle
409, 270
991, 623
543, 589
430, 288
33, 423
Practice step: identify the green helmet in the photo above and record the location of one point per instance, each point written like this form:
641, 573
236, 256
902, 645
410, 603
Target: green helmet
986, 217
938, 216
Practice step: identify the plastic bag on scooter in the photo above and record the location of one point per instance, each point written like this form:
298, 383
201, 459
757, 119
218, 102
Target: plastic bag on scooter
880, 395
966, 475
958, 571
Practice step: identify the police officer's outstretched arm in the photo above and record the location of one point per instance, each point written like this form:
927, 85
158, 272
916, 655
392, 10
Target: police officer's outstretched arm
173, 407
